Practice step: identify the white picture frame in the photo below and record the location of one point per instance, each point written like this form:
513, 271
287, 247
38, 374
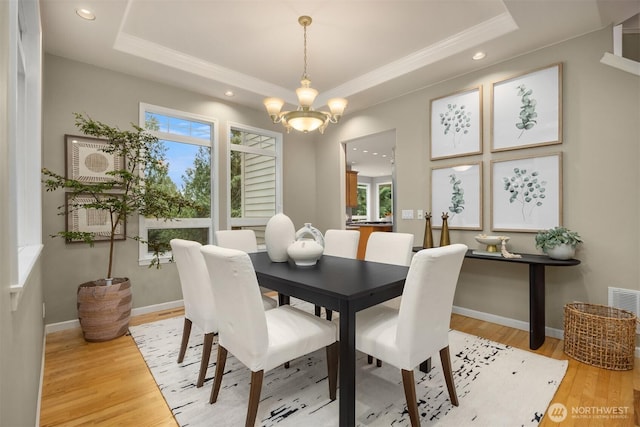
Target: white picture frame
526, 193
526, 110
456, 124
457, 191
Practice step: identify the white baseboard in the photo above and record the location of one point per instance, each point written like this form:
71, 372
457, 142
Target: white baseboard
513, 323
71, 324
505, 321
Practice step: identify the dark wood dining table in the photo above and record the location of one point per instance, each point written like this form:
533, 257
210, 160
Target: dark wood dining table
339, 284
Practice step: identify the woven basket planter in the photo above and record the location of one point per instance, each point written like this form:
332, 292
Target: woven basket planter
600, 336
104, 311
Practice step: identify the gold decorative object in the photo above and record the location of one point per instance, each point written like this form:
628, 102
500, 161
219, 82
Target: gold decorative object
427, 242
444, 237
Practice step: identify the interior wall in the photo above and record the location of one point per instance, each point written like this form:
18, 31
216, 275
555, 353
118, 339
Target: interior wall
601, 135
114, 98
22, 330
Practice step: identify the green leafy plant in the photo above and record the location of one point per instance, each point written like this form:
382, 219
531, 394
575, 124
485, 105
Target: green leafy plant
457, 195
456, 120
128, 191
557, 236
528, 113
526, 189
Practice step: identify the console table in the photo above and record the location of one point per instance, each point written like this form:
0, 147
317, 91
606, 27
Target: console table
537, 264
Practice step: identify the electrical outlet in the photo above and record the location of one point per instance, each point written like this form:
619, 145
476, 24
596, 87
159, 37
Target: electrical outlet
420, 214
407, 213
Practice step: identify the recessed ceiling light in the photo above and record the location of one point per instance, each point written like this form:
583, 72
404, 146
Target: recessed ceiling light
384, 155
229, 93
85, 14
478, 56
375, 154
365, 151
355, 149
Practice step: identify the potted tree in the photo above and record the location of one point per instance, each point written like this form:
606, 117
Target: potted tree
558, 242
104, 305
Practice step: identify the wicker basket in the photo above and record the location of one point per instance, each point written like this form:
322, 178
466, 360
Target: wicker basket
600, 336
104, 311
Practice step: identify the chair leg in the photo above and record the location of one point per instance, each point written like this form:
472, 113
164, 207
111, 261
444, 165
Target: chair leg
445, 358
410, 395
329, 314
206, 354
378, 363
369, 359
220, 362
333, 352
254, 397
317, 310
186, 331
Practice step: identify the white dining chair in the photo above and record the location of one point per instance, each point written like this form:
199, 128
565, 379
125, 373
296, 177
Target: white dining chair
406, 337
199, 307
389, 248
340, 243
260, 339
243, 240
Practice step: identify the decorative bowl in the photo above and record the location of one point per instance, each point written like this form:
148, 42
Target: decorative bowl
492, 242
305, 252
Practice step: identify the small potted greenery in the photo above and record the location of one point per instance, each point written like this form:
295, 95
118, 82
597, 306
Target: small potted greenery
558, 242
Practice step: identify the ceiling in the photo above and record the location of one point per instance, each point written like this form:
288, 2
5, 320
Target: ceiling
368, 51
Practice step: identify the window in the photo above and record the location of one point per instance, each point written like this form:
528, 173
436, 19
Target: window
186, 145
363, 210
255, 178
24, 101
385, 200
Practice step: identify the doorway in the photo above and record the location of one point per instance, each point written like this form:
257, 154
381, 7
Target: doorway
372, 157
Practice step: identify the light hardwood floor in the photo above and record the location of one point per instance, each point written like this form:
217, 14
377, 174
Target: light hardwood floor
108, 383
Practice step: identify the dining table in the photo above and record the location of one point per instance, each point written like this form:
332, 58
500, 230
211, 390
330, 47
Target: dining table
343, 285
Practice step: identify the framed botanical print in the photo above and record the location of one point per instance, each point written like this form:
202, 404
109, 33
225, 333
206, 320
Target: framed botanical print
87, 161
526, 110
456, 124
83, 218
457, 191
526, 193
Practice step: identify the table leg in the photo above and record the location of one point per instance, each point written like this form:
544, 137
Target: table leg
347, 380
536, 306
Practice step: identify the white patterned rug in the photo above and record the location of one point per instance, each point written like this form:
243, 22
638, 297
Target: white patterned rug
497, 385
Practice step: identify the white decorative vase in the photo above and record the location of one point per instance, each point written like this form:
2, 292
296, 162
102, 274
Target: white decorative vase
278, 235
561, 252
311, 232
305, 252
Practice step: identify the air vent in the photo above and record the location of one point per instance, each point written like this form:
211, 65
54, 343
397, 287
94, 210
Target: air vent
625, 299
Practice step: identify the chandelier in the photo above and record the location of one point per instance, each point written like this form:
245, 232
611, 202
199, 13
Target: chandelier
305, 118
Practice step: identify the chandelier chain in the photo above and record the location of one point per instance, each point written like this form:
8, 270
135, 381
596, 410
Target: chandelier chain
304, 74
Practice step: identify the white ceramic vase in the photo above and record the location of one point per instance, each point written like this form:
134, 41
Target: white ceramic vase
278, 235
310, 232
561, 252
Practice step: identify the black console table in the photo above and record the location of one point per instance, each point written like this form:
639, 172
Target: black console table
537, 264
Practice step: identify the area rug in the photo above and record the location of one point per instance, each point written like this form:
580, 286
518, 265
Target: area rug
497, 385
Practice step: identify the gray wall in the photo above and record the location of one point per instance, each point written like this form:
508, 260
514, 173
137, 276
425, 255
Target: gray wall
21, 331
114, 98
600, 177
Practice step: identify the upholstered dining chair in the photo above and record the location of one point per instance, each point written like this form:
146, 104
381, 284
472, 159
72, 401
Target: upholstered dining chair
389, 248
340, 243
198, 299
406, 337
260, 339
243, 240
